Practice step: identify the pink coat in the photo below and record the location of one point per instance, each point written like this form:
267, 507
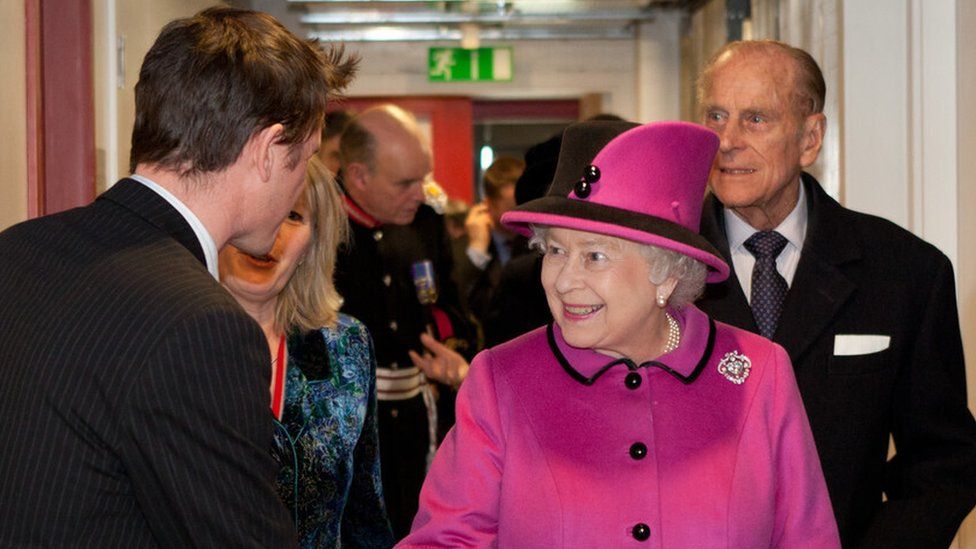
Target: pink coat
563, 447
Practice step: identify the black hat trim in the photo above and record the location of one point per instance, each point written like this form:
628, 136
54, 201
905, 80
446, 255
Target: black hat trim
591, 211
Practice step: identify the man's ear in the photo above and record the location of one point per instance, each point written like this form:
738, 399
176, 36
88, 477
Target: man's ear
814, 127
264, 153
354, 175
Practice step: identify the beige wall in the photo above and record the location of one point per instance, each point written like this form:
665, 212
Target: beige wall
13, 117
705, 35
542, 70
633, 85
966, 205
133, 24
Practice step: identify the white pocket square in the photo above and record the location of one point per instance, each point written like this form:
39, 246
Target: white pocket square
857, 344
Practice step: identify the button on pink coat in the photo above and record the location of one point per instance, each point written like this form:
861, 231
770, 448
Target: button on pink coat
540, 455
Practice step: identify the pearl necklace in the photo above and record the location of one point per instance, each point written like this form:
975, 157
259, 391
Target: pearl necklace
674, 334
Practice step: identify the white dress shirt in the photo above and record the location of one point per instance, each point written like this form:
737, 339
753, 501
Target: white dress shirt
206, 241
794, 228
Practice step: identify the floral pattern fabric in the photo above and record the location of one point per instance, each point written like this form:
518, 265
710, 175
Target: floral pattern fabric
327, 435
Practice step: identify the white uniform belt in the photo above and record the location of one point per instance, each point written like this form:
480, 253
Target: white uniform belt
399, 384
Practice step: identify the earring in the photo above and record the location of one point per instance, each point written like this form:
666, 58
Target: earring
661, 300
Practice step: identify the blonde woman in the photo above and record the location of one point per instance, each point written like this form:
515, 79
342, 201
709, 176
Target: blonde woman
323, 391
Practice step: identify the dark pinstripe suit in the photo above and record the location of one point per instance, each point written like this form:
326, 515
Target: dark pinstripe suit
133, 389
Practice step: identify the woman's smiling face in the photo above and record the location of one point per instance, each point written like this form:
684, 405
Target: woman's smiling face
600, 293
261, 279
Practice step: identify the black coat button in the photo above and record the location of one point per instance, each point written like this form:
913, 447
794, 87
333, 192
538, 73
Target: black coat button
638, 450
641, 531
633, 380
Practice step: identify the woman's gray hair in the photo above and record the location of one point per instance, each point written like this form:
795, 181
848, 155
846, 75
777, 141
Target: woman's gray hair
689, 272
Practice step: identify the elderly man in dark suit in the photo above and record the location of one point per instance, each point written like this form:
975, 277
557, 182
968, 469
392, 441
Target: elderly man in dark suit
866, 310
133, 389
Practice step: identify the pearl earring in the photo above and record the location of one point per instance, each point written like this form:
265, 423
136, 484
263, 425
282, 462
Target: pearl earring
661, 301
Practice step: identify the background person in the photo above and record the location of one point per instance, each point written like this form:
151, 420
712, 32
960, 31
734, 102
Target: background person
385, 161
335, 123
455, 212
133, 388
518, 303
323, 388
488, 245
866, 310
634, 416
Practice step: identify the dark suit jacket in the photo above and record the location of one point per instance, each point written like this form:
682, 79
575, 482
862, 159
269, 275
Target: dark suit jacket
374, 278
479, 286
519, 303
476, 285
133, 388
860, 274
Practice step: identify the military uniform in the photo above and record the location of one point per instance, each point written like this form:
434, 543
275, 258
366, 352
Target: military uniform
373, 275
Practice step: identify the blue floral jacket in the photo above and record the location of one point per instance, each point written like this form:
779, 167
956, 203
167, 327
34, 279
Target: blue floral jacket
328, 434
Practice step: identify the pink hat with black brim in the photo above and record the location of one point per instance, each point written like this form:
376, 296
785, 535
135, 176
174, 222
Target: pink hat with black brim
641, 183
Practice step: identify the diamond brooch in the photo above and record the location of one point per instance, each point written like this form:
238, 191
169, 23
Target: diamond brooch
735, 367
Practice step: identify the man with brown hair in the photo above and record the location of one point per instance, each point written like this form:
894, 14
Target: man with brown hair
133, 388
866, 310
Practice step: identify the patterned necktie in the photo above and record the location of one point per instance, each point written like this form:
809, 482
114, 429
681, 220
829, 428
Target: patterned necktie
768, 286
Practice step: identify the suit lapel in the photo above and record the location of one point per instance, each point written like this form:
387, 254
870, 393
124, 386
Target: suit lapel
724, 301
819, 287
146, 204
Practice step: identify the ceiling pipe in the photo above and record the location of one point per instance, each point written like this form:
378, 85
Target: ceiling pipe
454, 18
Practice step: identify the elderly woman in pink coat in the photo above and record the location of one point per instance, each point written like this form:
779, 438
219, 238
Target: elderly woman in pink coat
633, 420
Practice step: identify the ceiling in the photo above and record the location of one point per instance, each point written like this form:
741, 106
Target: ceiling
471, 21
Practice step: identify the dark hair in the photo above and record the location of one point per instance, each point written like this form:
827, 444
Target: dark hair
810, 90
504, 171
609, 117
335, 124
211, 81
357, 145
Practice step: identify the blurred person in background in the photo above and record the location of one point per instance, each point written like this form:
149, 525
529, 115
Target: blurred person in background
518, 303
395, 276
323, 392
335, 123
488, 244
455, 213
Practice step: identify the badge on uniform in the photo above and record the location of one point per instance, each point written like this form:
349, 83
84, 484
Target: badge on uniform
735, 367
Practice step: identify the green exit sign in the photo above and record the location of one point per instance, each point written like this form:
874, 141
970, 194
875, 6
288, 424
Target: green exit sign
474, 65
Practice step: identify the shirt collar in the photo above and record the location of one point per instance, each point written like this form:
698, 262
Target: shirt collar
206, 241
684, 363
357, 214
794, 227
